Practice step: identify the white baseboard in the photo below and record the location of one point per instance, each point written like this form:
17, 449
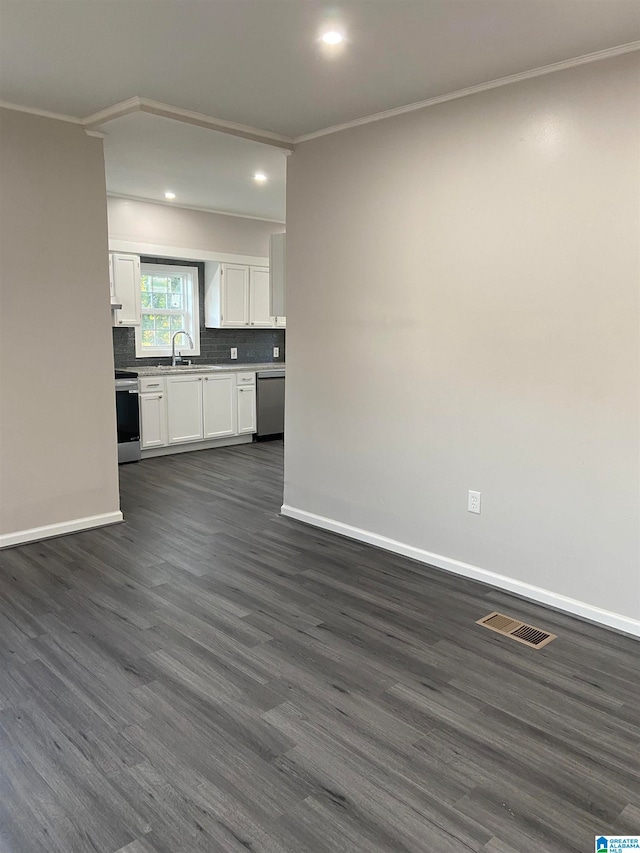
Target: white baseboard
21, 537
534, 593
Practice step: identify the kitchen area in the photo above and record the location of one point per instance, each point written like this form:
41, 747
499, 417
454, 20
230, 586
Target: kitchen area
197, 286
226, 389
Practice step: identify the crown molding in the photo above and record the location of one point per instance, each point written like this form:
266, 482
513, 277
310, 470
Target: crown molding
43, 113
92, 122
473, 90
123, 108
194, 207
143, 105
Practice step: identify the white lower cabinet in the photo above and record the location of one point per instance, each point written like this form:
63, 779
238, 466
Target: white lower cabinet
184, 409
153, 420
153, 412
246, 409
219, 405
189, 408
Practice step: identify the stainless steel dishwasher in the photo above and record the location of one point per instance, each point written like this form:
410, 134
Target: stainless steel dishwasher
270, 403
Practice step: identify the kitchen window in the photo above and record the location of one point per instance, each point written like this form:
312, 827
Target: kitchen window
169, 302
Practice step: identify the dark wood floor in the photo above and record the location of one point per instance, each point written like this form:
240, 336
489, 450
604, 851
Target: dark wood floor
212, 677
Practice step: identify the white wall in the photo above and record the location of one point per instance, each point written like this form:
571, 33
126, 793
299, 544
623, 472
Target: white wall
145, 222
465, 315
58, 451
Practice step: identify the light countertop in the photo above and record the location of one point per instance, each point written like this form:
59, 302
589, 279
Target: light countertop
166, 369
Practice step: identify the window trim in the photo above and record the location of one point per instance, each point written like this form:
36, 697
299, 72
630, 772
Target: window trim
194, 331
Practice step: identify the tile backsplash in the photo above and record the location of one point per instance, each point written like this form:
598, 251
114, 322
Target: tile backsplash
254, 345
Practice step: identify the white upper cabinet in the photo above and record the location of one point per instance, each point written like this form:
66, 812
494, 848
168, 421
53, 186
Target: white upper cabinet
277, 245
125, 288
234, 291
112, 287
237, 296
259, 299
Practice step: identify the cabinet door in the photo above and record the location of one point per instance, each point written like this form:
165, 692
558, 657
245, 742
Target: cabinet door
259, 297
219, 405
126, 285
277, 273
153, 420
184, 408
235, 295
246, 410
112, 288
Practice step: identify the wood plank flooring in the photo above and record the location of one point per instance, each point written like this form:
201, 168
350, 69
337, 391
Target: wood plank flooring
209, 676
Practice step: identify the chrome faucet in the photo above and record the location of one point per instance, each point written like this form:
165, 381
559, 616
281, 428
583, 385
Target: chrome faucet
174, 358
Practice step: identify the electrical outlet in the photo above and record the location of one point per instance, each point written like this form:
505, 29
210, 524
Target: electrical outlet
276, 352
234, 352
473, 504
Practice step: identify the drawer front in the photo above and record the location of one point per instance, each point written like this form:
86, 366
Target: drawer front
246, 378
151, 383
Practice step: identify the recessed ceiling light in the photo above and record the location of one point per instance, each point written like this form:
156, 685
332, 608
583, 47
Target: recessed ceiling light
260, 177
169, 195
332, 37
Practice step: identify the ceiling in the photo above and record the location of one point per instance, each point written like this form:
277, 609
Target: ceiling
146, 155
260, 63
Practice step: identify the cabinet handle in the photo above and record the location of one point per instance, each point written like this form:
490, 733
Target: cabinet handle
153, 384
159, 396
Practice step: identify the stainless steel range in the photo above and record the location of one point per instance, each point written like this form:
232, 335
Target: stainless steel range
128, 416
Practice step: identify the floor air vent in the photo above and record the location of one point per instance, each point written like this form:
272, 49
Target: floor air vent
536, 638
